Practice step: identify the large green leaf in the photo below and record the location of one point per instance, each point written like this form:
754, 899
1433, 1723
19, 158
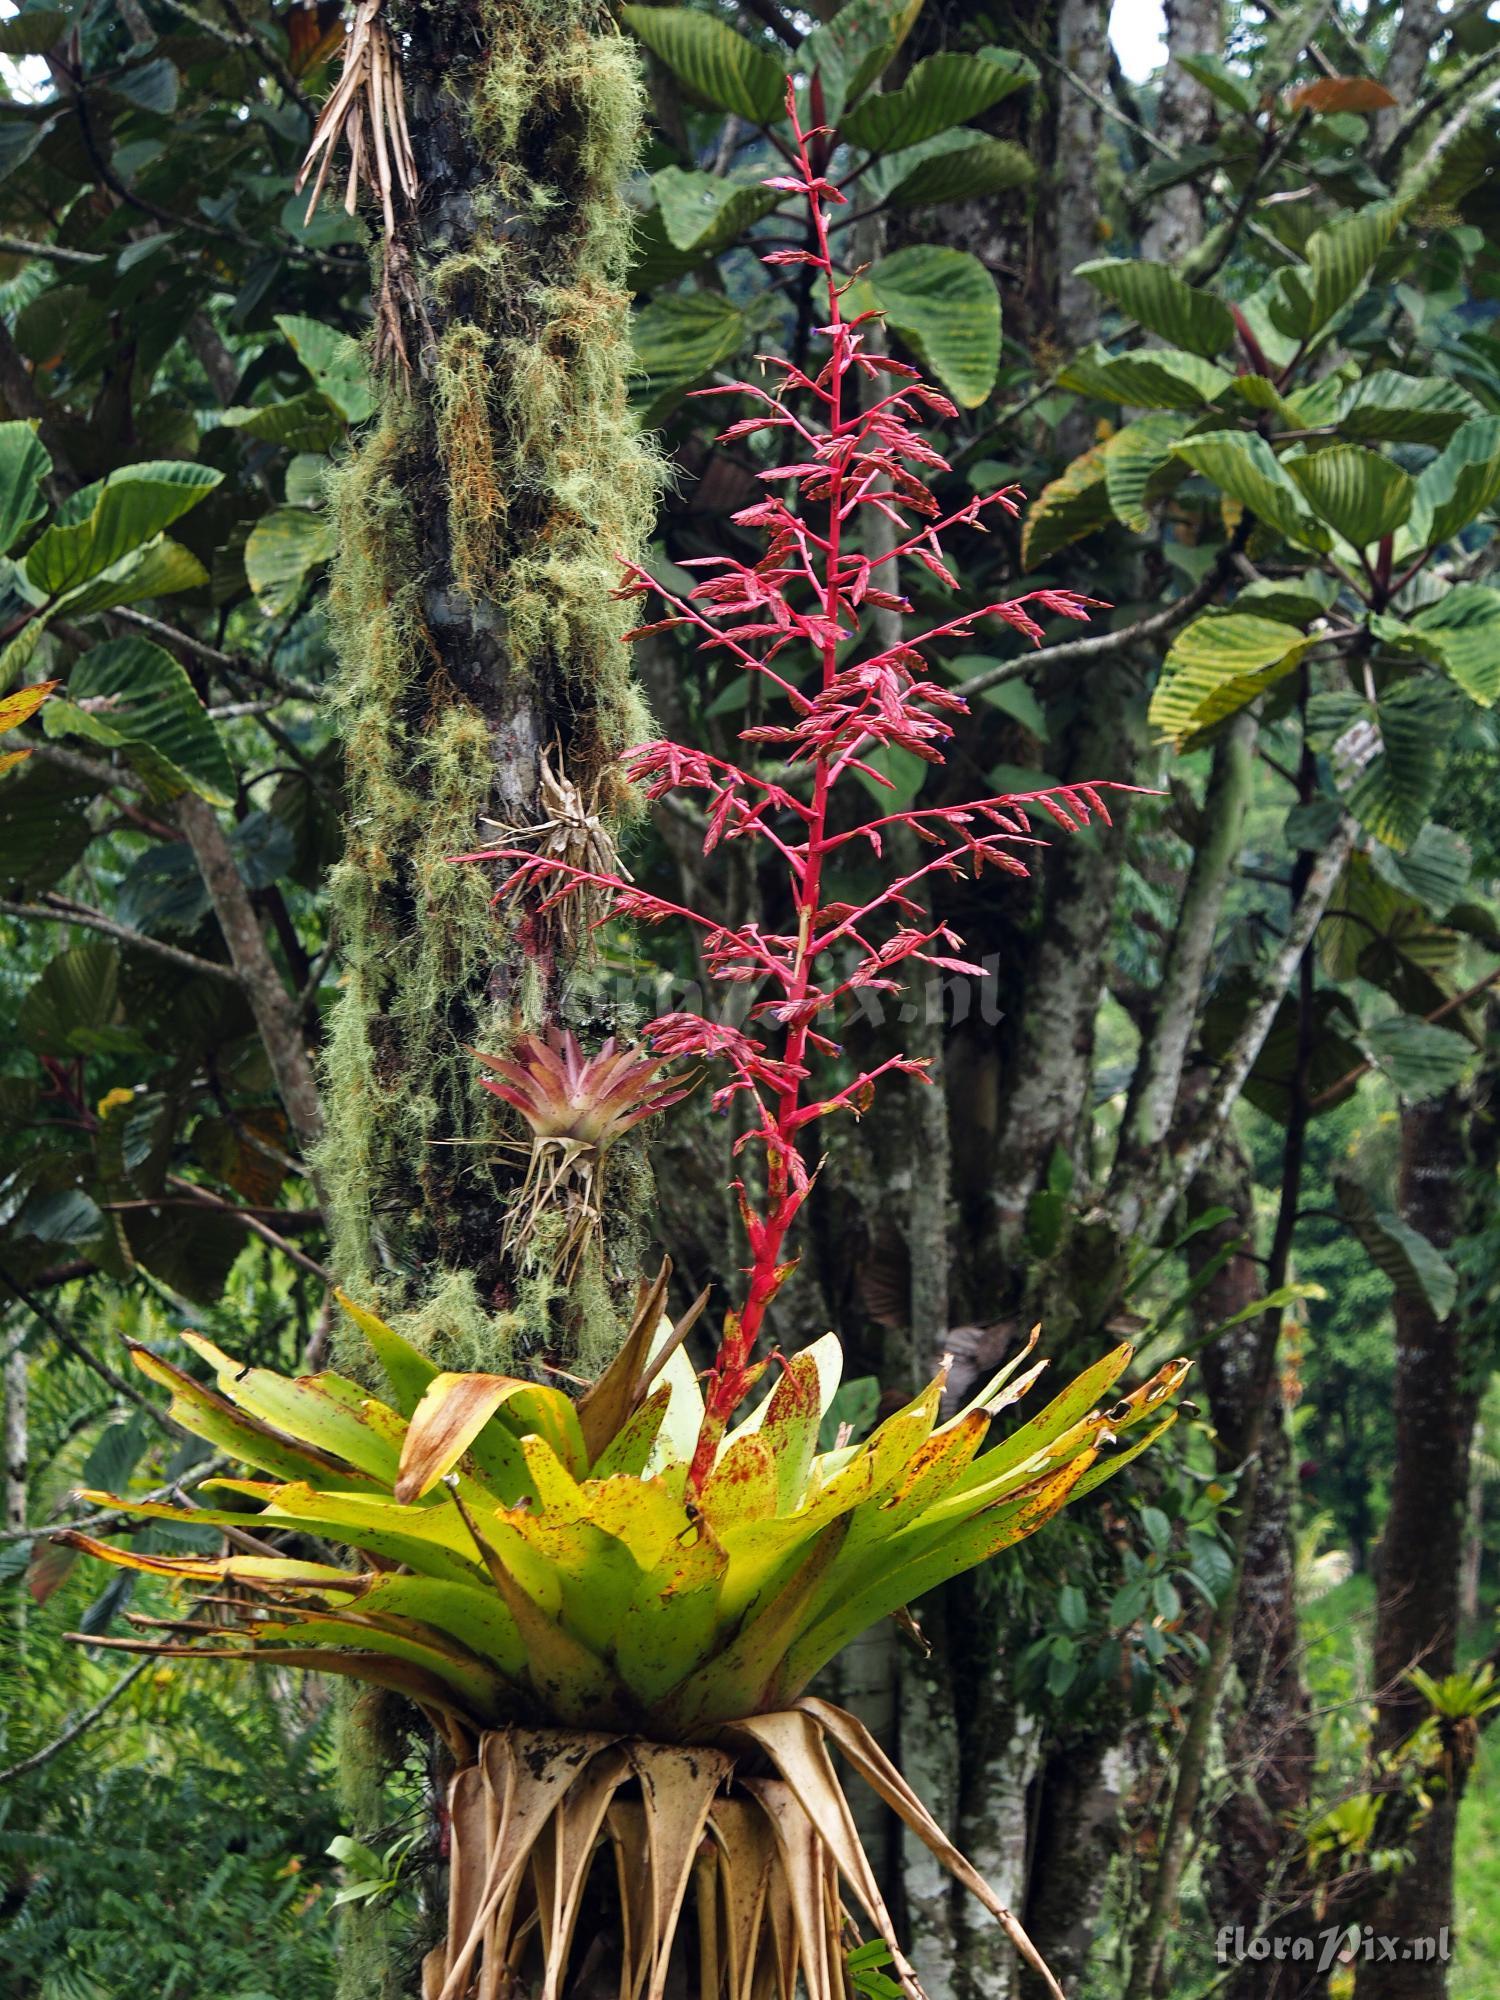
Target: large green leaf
1340, 258
1332, 1057
848, 53
1247, 469
945, 305
1406, 409
1134, 460
1360, 494
956, 166
1071, 506
283, 546
44, 828
1463, 628
1155, 378
1390, 755
680, 337
1154, 295
1421, 1058
1218, 664
704, 212
161, 567
1378, 931
1435, 869
113, 518
76, 996
34, 32
942, 91
335, 361
301, 423
718, 66
131, 695
1414, 1266
1460, 483
1238, 92
24, 464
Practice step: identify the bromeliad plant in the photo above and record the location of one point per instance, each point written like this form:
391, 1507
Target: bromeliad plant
612, 1609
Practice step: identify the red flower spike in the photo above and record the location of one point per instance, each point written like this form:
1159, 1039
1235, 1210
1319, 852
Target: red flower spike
861, 452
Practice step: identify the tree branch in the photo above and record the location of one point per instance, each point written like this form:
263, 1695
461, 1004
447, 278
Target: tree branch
1104, 645
1157, 1081
57, 911
274, 1008
75, 1729
80, 1352
1145, 1204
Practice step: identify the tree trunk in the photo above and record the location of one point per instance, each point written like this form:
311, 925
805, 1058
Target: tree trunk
1268, 1739
482, 521
1420, 1563
1184, 114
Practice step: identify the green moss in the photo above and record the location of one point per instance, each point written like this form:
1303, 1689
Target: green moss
511, 477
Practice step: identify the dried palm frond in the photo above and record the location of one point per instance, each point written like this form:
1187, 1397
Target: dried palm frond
368, 112
757, 1828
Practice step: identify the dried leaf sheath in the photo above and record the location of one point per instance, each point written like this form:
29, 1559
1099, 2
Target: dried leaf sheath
368, 112
543, 1815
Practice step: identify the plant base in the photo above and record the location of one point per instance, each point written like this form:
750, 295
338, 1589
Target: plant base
752, 1834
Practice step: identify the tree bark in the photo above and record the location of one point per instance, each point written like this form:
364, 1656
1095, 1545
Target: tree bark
1268, 1740
482, 523
1420, 1562
1184, 116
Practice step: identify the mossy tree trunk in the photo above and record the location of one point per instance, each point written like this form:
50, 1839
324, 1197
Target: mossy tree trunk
482, 521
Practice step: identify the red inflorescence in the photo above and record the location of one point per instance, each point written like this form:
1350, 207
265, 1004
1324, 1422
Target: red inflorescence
802, 602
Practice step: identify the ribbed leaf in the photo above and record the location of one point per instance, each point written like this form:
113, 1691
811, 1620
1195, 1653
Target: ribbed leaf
1357, 492
849, 52
1216, 665
1133, 459
1244, 465
942, 90
1461, 483
1413, 1265
301, 423
34, 32
1238, 92
335, 361
157, 570
1071, 506
945, 305
24, 464
104, 522
1393, 780
1463, 628
704, 212
1340, 258
680, 337
1407, 409
1421, 1058
1156, 378
131, 694
956, 166
284, 546
1154, 295
718, 66
1333, 1056
1435, 869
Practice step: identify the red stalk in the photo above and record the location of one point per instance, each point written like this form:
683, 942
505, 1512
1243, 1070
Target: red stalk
858, 460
